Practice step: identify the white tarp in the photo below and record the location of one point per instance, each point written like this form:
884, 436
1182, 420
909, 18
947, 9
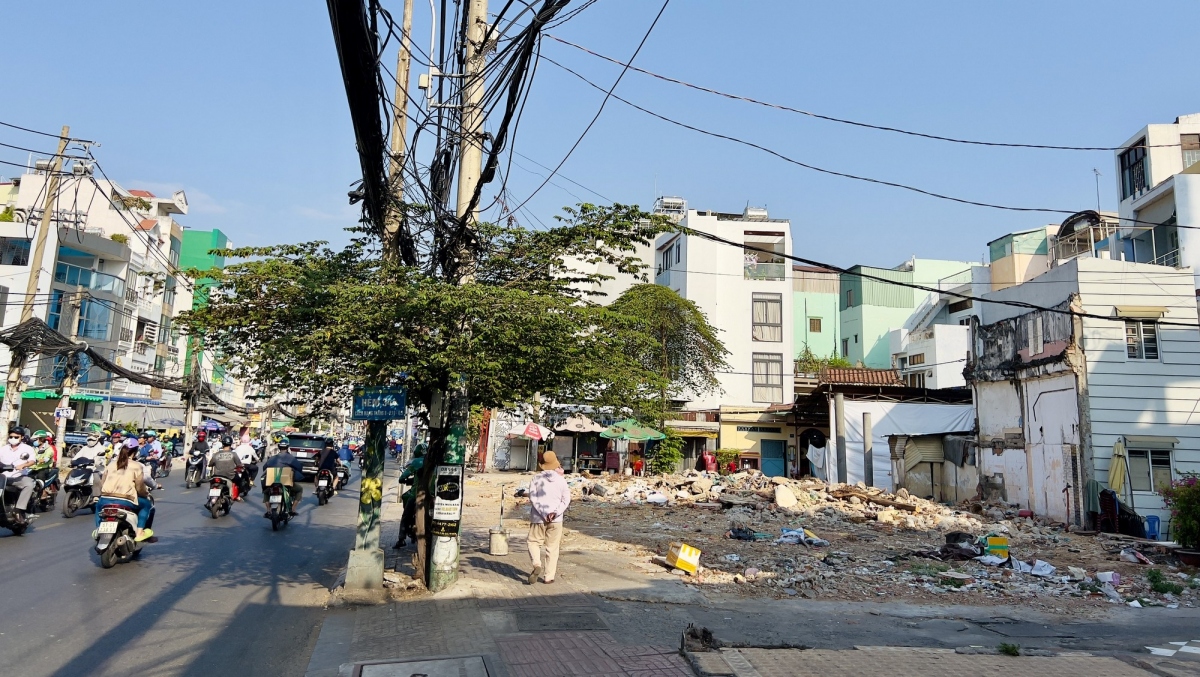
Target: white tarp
892, 418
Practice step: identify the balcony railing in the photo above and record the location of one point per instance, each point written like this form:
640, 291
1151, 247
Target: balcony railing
765, 271
66, 273
1171, 259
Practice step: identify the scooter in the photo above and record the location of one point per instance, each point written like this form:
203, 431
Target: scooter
115, 537
45, 489
325, 484
9, 518
343, 476
279, 498
164, 466
191, 477
220, 497
79, 487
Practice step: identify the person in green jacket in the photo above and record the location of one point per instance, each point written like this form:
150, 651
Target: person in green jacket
408, 521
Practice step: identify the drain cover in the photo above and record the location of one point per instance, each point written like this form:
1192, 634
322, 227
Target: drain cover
531, 620
471, 666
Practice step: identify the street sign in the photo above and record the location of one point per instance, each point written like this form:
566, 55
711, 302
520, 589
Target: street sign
64, 412
379, 404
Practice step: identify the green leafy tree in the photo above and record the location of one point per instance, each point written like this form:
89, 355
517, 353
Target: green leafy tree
682, 349
808, 362
668, 453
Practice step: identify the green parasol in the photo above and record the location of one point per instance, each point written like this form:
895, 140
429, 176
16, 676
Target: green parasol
630, 429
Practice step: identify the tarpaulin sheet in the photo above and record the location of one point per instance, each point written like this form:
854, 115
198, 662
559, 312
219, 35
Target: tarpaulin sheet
893, 418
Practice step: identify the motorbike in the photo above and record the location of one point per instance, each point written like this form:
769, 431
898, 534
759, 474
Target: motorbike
325, 486
245, 480
164, 466
343, 476
191, 477
220, 497
116, 533
80, 487
45, 489
8, 506
279, 499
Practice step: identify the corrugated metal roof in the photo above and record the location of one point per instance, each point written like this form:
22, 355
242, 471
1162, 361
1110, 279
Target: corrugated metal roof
860, 376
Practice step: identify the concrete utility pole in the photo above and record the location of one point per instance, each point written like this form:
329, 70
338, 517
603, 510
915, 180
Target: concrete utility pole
12, 394
71, 375
448, 476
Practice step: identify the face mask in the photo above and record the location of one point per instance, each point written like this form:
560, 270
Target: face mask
14, 441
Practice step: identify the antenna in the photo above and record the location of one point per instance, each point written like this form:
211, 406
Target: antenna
1097, 173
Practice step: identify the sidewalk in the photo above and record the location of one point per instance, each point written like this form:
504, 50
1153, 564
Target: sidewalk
612, 612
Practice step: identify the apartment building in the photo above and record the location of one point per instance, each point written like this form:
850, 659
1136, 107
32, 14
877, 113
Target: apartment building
815, 311
1158, 180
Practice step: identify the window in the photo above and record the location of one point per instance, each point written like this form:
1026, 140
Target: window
1149, 469
1191, 149
845, 347
1141, 339
95, 320
1133, 169
959, 306
767, 317
814, 325
3, 303
849, 298
916, 380
768, 377
914, 360
54, 312
14, 251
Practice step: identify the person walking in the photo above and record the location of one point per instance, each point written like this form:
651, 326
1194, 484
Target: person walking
549, 497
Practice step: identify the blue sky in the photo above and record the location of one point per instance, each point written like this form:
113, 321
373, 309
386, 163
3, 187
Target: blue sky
241, 104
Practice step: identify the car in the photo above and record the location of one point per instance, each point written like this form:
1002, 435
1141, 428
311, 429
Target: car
306, 446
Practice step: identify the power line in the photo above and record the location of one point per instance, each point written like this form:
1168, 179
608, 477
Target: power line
46, 134
607, 95
831, 172
898, 283
855, 123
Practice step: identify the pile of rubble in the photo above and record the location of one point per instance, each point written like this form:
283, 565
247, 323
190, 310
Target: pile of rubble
773, 536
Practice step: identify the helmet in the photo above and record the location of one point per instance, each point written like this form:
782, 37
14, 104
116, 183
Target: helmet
131, 443
226, 441
283, 443
420, 450
151, 433
201, 435
42, 433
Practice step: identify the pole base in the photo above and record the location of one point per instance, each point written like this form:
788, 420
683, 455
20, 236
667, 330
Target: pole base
364, 571
444, 571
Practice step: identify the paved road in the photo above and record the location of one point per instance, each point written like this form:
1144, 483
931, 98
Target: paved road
225, 596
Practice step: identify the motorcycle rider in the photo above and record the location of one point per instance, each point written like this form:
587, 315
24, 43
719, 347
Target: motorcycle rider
94, 450
21, 457
327, 459
409, 519
200, 446
225, 463
125, 484
285, 459
115, 441
47, 454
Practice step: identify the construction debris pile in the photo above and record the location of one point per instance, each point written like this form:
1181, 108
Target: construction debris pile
773, 536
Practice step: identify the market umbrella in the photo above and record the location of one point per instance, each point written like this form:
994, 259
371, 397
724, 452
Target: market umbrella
169, 422
210, 424
630, 429
1116, 469
579, 424
532, 431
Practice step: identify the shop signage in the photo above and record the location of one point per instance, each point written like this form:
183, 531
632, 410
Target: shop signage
758, 429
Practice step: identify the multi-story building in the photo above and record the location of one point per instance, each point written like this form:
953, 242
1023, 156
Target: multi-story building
195, 254
1158, 180
815, 311
871, 305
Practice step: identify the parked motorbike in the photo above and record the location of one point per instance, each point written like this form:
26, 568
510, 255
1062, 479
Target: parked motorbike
116, 533
324, 484
343, 476
45, 489
79, 487
9, 518
279, 500
220, 497
191, 477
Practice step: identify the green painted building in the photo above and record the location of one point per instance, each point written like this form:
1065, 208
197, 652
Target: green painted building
815, 313
194, 253
870, 308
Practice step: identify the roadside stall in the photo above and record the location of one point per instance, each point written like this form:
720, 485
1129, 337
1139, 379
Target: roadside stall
532, 434
627, 431
583, 432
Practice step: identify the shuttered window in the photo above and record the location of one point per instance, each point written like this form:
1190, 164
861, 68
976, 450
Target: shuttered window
1141, 340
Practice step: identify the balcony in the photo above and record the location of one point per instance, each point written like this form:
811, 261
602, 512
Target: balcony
65, 273
1171, 259
765, 271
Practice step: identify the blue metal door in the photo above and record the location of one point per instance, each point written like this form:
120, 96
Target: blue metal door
772, 457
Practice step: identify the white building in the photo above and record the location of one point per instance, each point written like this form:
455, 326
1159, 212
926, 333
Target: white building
1158, 179
1055, 392
745, 291
932, 357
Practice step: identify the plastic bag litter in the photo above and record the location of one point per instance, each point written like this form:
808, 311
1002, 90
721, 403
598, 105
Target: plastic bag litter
1038, 568
732, 557
744, 534
1133, 556
801, 536
991, 560
656, 498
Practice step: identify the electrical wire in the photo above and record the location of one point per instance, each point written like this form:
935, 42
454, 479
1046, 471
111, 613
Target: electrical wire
46, 134
607, 95
855, 123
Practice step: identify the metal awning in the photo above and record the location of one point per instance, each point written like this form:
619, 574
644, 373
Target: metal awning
1150, 442
1141, 312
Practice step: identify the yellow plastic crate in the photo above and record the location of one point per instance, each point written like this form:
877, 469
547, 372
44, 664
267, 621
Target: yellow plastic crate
998, 546
683, 556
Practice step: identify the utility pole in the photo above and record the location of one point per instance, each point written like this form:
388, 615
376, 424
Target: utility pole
839, 428
12, 394
868, 451
71, 375
442, 564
